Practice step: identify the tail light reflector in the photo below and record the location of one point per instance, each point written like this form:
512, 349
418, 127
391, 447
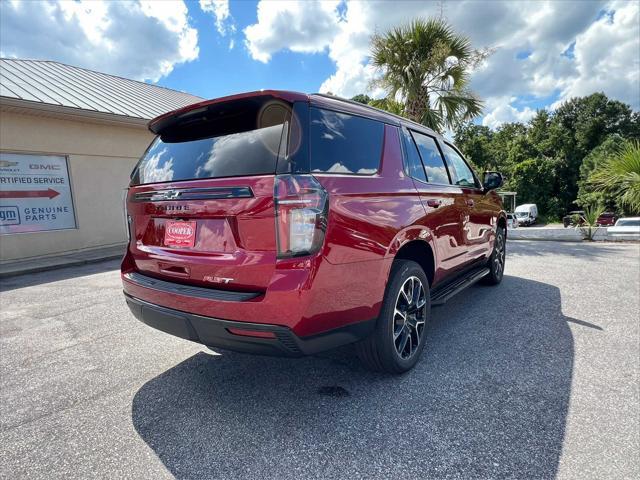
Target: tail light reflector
251, 333
125, 213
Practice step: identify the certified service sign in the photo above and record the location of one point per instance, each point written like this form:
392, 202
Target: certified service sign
35, 194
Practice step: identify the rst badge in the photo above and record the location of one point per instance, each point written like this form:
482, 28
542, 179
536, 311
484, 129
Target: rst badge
179, 233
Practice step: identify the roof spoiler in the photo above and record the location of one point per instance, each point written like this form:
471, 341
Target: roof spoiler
192, 112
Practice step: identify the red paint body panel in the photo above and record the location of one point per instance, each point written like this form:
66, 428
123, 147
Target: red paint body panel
235, 238
370, 218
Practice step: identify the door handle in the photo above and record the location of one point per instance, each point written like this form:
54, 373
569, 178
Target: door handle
434, 203
470, 202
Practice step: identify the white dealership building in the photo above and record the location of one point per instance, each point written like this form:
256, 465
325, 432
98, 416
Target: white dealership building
69, 138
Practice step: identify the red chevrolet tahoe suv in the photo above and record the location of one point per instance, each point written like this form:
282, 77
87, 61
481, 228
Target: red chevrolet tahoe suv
282, 223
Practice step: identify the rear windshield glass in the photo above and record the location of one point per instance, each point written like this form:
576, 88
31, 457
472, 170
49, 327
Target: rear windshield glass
248, 153
247, 143
342, 143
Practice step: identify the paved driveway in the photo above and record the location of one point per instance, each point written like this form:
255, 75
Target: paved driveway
535, 378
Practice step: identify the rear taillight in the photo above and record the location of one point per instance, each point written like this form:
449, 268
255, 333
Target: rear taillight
125, 213
301, 215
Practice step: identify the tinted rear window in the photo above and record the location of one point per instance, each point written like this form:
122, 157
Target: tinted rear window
247, 153
342, 143
246, 140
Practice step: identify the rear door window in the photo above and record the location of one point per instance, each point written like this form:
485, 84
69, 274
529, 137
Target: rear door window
460, 172
431, 158
414, 164
342, 143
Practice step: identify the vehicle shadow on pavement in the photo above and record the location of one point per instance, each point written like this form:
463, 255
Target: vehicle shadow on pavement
488, 399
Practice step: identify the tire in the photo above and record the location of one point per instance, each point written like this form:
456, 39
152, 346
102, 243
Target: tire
399, 337
497, 259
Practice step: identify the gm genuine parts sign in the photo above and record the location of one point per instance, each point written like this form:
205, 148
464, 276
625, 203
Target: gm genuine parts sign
35, 194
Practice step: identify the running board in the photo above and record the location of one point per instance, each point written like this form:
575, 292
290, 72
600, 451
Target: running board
441, 294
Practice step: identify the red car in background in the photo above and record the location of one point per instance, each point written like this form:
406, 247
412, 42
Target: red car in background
282, 223
607, 219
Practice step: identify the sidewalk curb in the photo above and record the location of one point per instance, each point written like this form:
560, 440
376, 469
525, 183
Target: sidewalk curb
600, 234
45, 264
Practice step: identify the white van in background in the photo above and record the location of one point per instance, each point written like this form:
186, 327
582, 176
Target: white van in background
527, 214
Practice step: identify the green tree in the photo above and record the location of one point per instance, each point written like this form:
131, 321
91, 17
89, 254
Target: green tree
587, 193
507, 144
427, 64
475, 143
538, 133
362, 98
577, 127
591, 119
619, 176
534, 180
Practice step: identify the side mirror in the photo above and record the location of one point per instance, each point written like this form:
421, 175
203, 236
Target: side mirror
492, 181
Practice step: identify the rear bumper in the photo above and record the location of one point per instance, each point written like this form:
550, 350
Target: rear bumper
215, 332
309, 296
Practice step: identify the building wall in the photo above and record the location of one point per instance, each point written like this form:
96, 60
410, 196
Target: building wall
100, 159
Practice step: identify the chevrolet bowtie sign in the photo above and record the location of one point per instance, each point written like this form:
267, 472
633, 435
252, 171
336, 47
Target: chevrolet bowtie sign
35, 194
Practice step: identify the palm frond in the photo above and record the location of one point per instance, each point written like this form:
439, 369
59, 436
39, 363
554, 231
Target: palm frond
619, 176
458, 107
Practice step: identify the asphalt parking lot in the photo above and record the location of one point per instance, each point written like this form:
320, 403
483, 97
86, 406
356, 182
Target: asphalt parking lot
536, 378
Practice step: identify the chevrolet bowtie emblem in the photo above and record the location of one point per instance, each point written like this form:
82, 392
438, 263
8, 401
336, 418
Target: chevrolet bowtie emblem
171, 194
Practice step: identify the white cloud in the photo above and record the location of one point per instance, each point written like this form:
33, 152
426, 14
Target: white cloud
306, 27
501, 111
143, 39
607, 57
605, 52
222, 15
349, 49
348, 82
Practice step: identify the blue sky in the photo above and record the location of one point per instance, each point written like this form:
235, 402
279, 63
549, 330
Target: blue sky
544, 52
219, 71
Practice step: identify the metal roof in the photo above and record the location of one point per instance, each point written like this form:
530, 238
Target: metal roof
53, 83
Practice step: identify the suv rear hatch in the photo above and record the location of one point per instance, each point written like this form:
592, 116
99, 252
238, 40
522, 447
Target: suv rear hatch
200, 202
200, 207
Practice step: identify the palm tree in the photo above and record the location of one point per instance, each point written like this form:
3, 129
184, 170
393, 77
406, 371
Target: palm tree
619, 176
427, 64
590, 220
